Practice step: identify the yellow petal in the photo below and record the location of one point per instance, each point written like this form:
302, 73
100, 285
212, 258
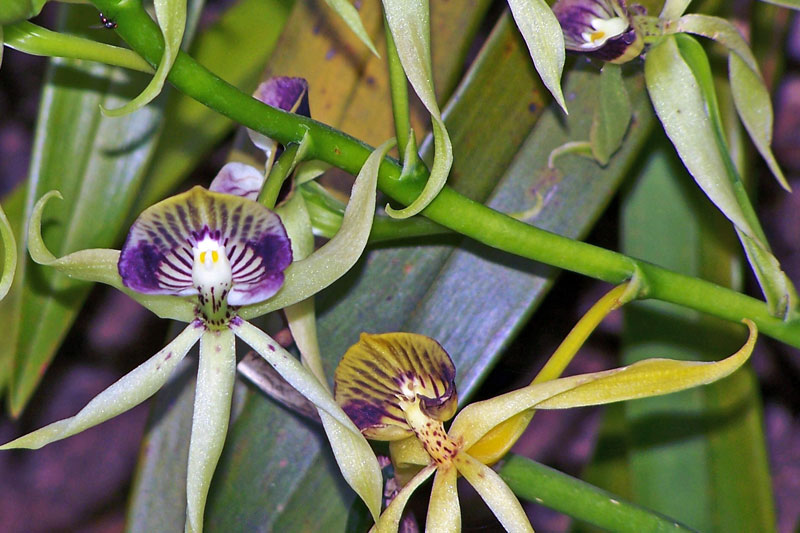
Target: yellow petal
494, 491
444, 511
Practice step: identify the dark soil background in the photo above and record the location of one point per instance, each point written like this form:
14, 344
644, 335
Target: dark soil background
81, 484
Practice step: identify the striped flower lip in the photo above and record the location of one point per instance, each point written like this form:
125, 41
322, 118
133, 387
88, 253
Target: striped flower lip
383, 379
225, 249
600, 28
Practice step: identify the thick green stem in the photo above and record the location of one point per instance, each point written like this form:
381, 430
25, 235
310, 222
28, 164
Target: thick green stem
450, 209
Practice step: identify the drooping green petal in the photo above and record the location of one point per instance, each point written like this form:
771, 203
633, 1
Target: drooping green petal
353, 453
171, 16
494, 491
350, 15
775, 284
389, 521
291, 370
545, 40
718, 29
681, 107
444, 511
9, 245
611, 116
755, 109
409, 22
212, 409
651, 377
307, 277
357, 462
35, 40
131, 390
99, 265
673, 9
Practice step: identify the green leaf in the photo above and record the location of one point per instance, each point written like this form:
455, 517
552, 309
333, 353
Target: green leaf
409, 23
171, 16
15, 10
791, 4
350, 15
35, 40
612, 114
542, 33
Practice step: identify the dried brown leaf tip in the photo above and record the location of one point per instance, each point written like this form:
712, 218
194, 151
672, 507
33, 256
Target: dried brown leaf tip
388, 383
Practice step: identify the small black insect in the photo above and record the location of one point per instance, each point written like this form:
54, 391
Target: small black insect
107, 22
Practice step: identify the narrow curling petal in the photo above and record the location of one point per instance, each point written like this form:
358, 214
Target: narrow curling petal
212, 409
9, 245
98, 265
651, 377
159, 254
131, 390
307, 277
444, 511
494, 491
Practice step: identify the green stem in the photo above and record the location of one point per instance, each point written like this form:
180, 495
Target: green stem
277, 175
449, 209
398, 86
551, 488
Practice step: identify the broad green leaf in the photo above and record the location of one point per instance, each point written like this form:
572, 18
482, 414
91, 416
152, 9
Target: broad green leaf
35, 40
131, 390
171, 16
9, 254
409, 22
542, 33
612, 114
350, 15
699, 455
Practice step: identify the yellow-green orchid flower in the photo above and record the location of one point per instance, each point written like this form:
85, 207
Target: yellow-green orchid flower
214, 260
400, 387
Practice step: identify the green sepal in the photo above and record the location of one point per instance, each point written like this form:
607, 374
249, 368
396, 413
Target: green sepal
35, 40
350, 16
99, 265
611, 116
171, 15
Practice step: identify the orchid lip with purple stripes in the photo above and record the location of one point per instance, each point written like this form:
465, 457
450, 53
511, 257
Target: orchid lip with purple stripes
225, 249
601, 28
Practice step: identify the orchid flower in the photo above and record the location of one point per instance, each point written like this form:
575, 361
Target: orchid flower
400, 387
214, 260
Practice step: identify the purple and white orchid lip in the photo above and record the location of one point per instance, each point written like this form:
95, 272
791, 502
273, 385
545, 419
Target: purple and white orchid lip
600, 28
226, 249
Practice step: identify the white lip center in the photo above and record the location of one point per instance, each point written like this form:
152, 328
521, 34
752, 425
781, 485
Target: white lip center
604, 29
211, 268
